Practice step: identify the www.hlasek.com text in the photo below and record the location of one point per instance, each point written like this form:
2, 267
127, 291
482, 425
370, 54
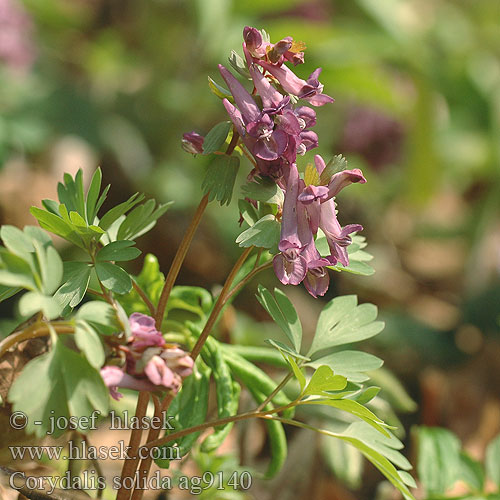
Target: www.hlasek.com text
81, 450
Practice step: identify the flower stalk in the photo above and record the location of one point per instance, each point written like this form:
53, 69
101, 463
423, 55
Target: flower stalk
221, 300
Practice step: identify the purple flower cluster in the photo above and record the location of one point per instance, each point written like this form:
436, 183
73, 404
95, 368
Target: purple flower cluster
17, 49
307, 208
151, 364
275, 131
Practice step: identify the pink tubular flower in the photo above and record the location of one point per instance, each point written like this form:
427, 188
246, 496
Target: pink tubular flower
115, 377
159, 373
311, 89
289, 265
176, 359
144, 332
276, 53
305, 210
254, 42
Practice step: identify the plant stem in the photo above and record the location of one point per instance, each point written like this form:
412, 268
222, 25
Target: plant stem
219, 304
257, 258
184, 246
278, 389
130, 464
153, 434
233, 143
249, 156
214, 423
36, 330
246, 279
178, 260
97, 293
95, 463
144, 297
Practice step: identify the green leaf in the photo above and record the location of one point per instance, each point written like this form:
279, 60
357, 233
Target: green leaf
350, 364
335, 165
286, 349
263, 189
113, 277
102, 199
6, 292
355, 409
66, 192
33, 302
89, 343
101, 316
471, 472
345, 461
385, 443
151, 280
119, 251
113, 214
76, 279
51, 206
355, 266
150, 271
265, 233
323, 380
365, 395
407, 478
492, 461
248, 212
15, 271
283, 313
36, 233
342, 321
238, 64
357, 257
57, 225
80, 194
379, 449
16, 241
192, 407
51, 267
297, 372
218, 90
60, 383
220, 178
71, 193
190, 298
141, 220
438, 459
93, 195
78, 221
216, 137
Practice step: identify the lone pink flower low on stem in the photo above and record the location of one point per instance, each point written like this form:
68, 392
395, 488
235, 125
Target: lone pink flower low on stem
151, 364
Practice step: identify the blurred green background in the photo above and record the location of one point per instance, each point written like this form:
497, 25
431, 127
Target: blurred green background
115, 83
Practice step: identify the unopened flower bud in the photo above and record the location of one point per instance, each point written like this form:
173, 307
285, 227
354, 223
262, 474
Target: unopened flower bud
192, 143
